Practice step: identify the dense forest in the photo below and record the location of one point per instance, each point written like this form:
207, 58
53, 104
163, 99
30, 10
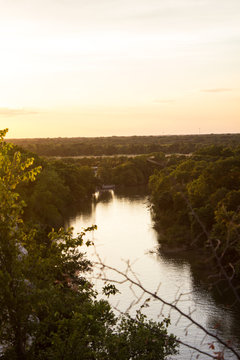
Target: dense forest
122, 171
168, 144
60, 187
196, 204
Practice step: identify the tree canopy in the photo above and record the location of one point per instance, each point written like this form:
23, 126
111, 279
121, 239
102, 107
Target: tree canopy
196, 203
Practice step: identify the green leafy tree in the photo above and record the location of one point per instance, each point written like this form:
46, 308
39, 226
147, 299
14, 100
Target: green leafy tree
196, 203
48, 199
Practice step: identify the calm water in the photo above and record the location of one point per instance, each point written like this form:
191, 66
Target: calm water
125, 234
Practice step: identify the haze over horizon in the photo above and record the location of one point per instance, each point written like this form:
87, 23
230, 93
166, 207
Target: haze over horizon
8, 138
102, 68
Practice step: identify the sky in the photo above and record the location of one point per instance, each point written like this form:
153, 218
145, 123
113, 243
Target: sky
119, 67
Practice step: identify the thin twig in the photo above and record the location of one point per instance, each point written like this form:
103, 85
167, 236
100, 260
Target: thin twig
171, 306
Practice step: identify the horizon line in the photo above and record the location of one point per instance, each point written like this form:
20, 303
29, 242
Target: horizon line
118, 136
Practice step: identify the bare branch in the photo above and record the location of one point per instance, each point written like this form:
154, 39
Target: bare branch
171, 305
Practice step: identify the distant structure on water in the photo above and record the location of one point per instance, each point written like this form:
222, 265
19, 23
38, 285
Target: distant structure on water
108, 187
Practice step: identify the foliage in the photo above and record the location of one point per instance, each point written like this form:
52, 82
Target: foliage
128, 171
200, 196
49, 309
59, 187
138, 338
81, 146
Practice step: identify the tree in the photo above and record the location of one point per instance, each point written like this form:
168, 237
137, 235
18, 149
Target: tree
201, 195
49, 310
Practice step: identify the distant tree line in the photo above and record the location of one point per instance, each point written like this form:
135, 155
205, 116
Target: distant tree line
97, 146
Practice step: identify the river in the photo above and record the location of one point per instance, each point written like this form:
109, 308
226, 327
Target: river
125, 236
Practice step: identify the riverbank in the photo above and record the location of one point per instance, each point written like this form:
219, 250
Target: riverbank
125, 233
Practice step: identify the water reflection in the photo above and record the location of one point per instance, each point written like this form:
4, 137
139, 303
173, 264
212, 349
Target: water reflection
215, 305
103, 196
125, 232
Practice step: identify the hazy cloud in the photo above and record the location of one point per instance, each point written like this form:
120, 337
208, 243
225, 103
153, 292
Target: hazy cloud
164, 101
217, 90
16, 112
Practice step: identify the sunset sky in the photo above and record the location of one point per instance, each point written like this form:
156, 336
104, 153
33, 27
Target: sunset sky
119, 67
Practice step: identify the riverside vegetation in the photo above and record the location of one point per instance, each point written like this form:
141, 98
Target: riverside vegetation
48, 308
194, 198
196, 204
